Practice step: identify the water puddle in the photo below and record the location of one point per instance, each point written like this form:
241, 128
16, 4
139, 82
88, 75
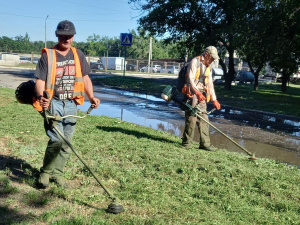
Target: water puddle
267, 136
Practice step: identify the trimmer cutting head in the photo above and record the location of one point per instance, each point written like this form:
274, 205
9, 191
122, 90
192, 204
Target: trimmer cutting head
114, 208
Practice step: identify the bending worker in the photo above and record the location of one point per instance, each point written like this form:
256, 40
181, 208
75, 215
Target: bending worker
63, 72
199, 81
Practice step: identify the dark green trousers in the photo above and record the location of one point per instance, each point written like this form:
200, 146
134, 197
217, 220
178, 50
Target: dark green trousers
57, 151
203, 128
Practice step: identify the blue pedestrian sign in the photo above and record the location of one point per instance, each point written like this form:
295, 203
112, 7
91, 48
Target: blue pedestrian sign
126, 39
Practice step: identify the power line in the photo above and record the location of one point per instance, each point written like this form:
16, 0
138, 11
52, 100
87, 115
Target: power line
94, 6
86, 20
22, 15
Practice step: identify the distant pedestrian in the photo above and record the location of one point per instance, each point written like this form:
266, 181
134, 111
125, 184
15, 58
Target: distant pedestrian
63, 72
200, 89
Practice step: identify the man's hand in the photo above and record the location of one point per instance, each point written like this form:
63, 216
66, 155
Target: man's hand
44, 102
216, 104
95, 102
200, 96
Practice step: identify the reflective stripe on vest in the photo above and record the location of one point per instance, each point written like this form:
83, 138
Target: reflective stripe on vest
50, 80
78, 94
207, 72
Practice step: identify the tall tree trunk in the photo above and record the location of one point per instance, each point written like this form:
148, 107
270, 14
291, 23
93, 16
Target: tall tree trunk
285, 78
255, 87
229, 77
256, 73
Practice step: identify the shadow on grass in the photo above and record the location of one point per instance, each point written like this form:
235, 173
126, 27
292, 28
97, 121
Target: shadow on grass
15, 170
135, 133
12, 216
18, 170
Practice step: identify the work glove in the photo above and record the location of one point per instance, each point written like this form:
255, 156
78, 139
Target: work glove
216, 104
200, 96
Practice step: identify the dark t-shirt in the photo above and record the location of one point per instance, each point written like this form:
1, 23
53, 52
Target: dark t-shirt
65, 72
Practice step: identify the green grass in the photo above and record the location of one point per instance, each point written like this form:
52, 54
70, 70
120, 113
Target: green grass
141, 85
156, 180
27, 65
268, 97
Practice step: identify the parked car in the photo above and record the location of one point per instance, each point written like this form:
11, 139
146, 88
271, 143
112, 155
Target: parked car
24, 59
35, 60
96, 66
269, 78
217, 74
170, 69
279, 79
131, 67
295, 80
244, 76
154, 69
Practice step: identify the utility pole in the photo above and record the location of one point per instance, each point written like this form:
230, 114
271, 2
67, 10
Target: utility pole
46, 31
150, 54
106, 59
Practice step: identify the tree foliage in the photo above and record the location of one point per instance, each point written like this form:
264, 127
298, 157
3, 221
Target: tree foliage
272, 35
197, 24
259, 30
100, 46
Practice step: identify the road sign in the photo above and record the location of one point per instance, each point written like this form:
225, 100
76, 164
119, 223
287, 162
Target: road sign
126, 39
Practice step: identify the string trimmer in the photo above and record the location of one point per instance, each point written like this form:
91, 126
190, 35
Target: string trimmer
171, 93
114, 207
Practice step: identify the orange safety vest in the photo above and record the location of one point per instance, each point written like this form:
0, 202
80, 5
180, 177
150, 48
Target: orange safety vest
185, 89
78, 94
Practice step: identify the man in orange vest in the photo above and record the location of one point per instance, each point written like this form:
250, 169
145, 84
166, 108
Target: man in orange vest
199, 81
63, 72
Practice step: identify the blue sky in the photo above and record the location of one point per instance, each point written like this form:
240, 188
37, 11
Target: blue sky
101, 17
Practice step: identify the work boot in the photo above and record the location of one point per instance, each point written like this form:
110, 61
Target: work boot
60, 181
208, 148
187, 146
43, 181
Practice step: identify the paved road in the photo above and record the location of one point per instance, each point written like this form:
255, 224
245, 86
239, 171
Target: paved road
11, 77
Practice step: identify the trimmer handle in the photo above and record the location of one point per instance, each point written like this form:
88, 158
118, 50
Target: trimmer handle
47, 96
89, 110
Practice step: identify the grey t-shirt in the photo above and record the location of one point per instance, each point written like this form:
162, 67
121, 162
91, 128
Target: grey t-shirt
65, 72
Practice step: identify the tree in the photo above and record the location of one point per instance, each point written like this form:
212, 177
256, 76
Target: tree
94, 47
286, 14
7, 43
140, 45
272, 35
255, 41
198, 24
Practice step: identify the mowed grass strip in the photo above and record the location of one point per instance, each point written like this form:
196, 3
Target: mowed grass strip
156, 180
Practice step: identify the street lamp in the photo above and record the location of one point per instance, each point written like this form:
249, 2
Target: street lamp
46, 31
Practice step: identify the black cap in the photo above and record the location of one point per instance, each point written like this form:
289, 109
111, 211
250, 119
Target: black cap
65, 27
